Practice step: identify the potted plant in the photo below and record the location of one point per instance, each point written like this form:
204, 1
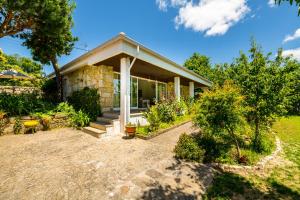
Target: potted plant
130, 129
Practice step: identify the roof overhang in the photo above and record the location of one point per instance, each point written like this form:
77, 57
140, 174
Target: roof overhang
124, 45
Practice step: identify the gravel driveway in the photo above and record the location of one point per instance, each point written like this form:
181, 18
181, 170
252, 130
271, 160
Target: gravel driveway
69, 164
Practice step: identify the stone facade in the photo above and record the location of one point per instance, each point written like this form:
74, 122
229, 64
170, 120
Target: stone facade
100, 77
19, 90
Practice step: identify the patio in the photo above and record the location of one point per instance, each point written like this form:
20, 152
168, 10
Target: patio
68, 164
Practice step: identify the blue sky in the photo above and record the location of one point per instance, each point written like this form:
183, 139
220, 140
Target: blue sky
177, 28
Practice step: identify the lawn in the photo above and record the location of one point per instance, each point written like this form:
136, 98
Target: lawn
279, 182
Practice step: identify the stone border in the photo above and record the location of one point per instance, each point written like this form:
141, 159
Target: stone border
161, 131
260, 165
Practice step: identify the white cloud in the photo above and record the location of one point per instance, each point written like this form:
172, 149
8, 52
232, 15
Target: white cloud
213, 17
162, 4
295, 36
295, 53
271, 3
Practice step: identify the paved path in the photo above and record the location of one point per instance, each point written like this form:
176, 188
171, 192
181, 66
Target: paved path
69, 164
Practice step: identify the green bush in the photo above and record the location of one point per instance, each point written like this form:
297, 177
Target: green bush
80, 119
180, 107
23, 104
264, 144
87, 100
187, 148
65, 108
49, 89
17, 126
166, 112
153, 117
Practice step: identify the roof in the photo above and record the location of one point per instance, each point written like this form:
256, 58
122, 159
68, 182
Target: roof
129, 47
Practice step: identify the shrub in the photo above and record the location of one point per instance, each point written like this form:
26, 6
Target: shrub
23, 104
87, 100
80, 119
45, 121
166, 112
264, 144
65, 108
221, 113
152, 116
49, 89
180, 107
188, 148
17, 126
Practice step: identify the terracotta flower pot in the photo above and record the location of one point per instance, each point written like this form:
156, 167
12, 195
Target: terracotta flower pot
130, 130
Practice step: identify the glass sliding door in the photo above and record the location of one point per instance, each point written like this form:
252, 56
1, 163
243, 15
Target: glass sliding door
143, 92
134, 92
117, 85
161, 91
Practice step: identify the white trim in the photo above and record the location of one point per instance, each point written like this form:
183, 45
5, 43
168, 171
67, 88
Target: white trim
122, 44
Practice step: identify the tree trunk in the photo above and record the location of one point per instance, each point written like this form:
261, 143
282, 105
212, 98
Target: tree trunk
58, 79
237, 146
256, 133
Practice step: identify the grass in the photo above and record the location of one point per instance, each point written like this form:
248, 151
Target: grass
280, 182
144, 130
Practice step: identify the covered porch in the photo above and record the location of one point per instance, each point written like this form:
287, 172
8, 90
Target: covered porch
139, 85
130, 77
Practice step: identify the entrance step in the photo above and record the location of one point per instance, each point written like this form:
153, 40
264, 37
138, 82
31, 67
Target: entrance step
105, 120
110, 115
101, 125
93, 131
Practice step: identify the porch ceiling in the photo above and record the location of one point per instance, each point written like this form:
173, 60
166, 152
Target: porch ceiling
147, 70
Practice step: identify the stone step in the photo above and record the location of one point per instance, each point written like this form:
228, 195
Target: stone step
93, 131
100, 125
110, 115
105, 120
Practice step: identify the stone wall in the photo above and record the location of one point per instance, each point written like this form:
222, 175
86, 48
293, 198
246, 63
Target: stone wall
100, 77
18, 89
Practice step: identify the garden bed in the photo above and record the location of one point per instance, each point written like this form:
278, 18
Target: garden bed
143, 134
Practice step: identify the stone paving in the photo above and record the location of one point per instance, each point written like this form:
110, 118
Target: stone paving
69, 164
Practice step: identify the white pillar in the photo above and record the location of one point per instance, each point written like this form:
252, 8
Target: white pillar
125, 93
192, 89
177, 87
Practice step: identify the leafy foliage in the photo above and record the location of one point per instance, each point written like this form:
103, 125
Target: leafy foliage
261, 83
153, 117
221, 112
23, 65
187, 148
297, 3
80, 119
23, 104
87, 100
17, 126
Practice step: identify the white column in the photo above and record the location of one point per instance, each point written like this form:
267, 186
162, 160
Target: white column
177, 87
125, 93
192, 89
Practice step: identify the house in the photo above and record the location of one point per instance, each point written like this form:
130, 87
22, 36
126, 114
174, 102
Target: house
129, 78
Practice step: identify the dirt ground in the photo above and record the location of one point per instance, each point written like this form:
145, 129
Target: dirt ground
69, 164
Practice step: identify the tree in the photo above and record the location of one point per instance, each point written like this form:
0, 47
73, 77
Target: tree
201, 65
45, 27
260, 82
23, 65
297, 2
220, 112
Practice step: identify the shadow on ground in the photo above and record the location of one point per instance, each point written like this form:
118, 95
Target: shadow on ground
218, 185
